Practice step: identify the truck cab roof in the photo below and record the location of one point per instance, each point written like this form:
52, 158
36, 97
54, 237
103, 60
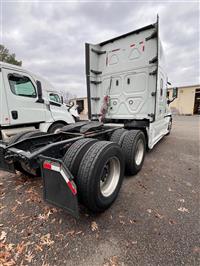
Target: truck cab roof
11, 66
47, 86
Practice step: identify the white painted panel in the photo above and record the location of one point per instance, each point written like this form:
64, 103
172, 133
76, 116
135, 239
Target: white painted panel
123, 59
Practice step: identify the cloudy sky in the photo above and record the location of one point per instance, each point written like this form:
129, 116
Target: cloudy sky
49, 36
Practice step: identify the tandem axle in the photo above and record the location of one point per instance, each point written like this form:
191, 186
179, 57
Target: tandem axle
84, 162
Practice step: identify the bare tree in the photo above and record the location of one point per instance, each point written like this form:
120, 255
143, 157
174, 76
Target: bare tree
67, 96
7, 57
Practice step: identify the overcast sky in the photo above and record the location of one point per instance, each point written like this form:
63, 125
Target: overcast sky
49, 36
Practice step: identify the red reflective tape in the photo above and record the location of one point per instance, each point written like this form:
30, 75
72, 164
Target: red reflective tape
115, 50
132, 45
69, 183
72, 188
46, 165
143, 48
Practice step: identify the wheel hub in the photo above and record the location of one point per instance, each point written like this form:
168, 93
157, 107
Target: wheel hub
110, 177
139, 152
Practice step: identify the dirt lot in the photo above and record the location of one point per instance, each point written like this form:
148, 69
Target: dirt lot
155, 220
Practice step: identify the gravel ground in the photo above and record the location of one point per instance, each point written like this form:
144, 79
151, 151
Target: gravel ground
154, 221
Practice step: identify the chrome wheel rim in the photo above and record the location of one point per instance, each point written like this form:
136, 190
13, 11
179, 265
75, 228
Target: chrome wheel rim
110, 177
139, 152
57, 130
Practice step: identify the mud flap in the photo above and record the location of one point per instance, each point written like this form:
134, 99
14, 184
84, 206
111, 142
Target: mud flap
9, 167
59, 188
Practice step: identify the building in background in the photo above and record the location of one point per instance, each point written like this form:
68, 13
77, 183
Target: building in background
188, 100
82, 106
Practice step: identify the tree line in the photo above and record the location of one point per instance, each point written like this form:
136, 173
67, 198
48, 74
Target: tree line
6, 56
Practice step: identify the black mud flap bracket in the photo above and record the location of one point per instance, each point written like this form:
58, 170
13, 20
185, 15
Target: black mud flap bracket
59, 188
4, 165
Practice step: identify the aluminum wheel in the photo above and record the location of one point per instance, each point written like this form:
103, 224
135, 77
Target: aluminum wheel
139, 152
57, 130
110, 177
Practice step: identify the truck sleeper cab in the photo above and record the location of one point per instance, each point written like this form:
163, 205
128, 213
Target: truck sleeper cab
128, 109
127, 83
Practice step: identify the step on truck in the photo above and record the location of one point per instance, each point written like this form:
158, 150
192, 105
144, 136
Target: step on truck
29, 102
128, 102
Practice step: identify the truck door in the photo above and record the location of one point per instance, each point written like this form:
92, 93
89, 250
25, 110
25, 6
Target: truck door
22, 98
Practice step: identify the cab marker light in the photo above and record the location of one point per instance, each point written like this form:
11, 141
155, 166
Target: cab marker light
142, 42
115, 50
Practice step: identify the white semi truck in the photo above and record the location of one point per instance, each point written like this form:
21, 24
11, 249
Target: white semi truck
128, 110
29, 102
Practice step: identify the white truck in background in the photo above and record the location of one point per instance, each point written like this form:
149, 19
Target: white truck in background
29, 102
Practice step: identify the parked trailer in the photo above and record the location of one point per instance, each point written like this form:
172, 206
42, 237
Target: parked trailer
128, 109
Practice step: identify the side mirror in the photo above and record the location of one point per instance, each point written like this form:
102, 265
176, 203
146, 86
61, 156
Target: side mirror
71, 104
39, 92
175, 92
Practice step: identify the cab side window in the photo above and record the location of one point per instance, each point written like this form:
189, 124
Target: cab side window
21, 86
54, 97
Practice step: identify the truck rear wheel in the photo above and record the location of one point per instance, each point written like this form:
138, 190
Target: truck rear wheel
35, 133
56, 127
75, 153
100, 175
134, 148
17, 137
118, 135
22, 166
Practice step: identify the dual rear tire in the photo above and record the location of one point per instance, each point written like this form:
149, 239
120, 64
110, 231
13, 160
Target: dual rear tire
98, 173
98, 166
133, 145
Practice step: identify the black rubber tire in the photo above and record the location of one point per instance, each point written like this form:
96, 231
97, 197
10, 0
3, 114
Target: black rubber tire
22, 167
129, 148
31, 134
55, 126
75, 153
118, 135
17, 137
90, 172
